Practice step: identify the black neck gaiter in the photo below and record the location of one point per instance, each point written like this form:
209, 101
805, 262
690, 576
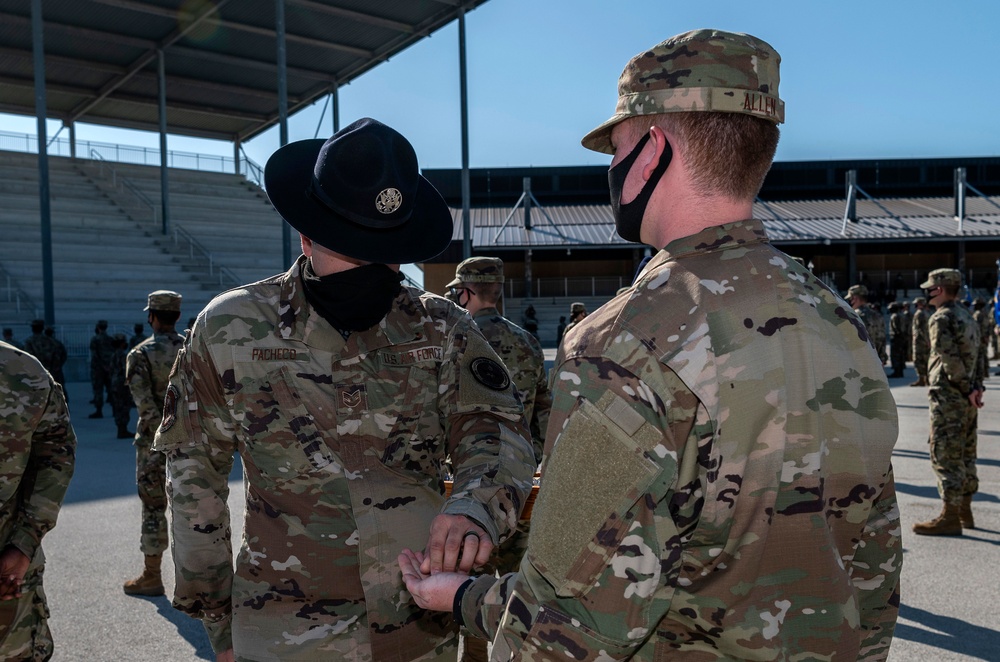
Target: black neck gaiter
352, 300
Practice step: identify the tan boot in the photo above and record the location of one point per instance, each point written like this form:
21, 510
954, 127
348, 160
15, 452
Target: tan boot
965, 514
149, 582
921, 381
945, 524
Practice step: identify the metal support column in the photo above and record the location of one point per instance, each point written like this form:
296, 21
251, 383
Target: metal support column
279, 33
960, 186
236, 156
464, 95
161, 75
72, 139
852, 264
335, 106
45, 210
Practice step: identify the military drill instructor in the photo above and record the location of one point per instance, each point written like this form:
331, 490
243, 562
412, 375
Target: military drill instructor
147, 373
709, 465
343, 392
38, 447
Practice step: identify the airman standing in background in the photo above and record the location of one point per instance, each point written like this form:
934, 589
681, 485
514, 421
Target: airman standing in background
147, 373
920, 340
857, 296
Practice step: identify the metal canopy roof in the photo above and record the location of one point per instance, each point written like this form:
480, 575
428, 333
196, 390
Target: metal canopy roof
787, 222
219, 55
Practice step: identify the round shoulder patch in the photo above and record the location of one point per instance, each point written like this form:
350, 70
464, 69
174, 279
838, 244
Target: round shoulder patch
490, 374
169, 409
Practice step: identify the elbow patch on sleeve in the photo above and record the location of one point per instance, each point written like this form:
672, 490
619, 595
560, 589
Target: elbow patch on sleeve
600, 467
483, 378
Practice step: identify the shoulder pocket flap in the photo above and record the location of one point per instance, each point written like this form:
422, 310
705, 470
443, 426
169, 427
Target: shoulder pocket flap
596, 474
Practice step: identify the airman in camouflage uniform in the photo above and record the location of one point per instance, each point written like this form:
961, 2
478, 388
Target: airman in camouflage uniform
984, 319
37, 453
137, 337
343, 392
477, 287
899, 332
577, 312
49, 351
956, 392
857, 296
147, 372
706, 483
101, 351
121, 399
920, 340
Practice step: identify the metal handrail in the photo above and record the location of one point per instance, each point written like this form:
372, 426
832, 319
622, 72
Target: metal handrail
16, 295
196, 248
124, 185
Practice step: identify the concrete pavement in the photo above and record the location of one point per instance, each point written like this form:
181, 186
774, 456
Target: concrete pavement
949, 587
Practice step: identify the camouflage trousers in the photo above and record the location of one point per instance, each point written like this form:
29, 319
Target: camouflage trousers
100, 381
24, 628
897, 351
150, 479
505, 559
953, 444
121, 403
920, 363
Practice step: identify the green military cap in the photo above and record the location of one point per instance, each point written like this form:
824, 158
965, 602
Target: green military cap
857, 291
478, 270
163, 300
942, 277
917, 300
577, 307
702, 70
102, 324
978, 302
893, 305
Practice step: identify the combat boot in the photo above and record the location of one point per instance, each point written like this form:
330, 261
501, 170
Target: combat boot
149, 582
945, 524
921, 381
124, 433
97, 414
965, 514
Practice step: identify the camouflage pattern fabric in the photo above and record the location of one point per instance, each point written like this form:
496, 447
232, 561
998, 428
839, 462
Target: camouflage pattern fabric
101, 352
343, 444
954, 371
147, 373
920, 341
875, 327
120, 398
47, 350
522, 354
899, 333
37, 454
687, 447
984, 319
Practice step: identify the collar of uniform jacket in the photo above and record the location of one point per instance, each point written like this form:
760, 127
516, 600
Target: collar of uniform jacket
715, 238
298, 321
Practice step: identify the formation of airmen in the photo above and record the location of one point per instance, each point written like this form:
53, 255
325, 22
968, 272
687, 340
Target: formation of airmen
688, 406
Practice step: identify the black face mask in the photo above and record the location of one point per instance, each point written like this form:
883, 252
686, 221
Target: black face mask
352, 300
628, 217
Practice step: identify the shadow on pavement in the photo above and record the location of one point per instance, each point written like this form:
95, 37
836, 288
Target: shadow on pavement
190, 629
950, 634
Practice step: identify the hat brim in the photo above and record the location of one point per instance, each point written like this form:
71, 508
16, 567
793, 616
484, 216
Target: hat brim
423, 236
927, 284
599, 140
455, 283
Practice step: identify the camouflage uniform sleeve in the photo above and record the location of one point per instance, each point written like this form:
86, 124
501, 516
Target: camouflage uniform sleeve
483, 420
875, 571
140, 383
50, 468
540, 416
603, 554
198, 438
945, 340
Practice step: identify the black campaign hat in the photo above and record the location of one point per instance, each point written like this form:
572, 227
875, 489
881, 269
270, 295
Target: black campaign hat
360, 194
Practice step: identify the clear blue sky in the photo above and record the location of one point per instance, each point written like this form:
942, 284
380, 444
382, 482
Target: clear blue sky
873, 79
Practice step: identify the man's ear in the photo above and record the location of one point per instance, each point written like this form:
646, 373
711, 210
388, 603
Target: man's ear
658, 139
307, 245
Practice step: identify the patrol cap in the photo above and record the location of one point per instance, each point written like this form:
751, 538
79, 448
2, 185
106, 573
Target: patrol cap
857, 291
917, 300
478, 270
701, 70
577, 307
942, 277
103, 324
163, 300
